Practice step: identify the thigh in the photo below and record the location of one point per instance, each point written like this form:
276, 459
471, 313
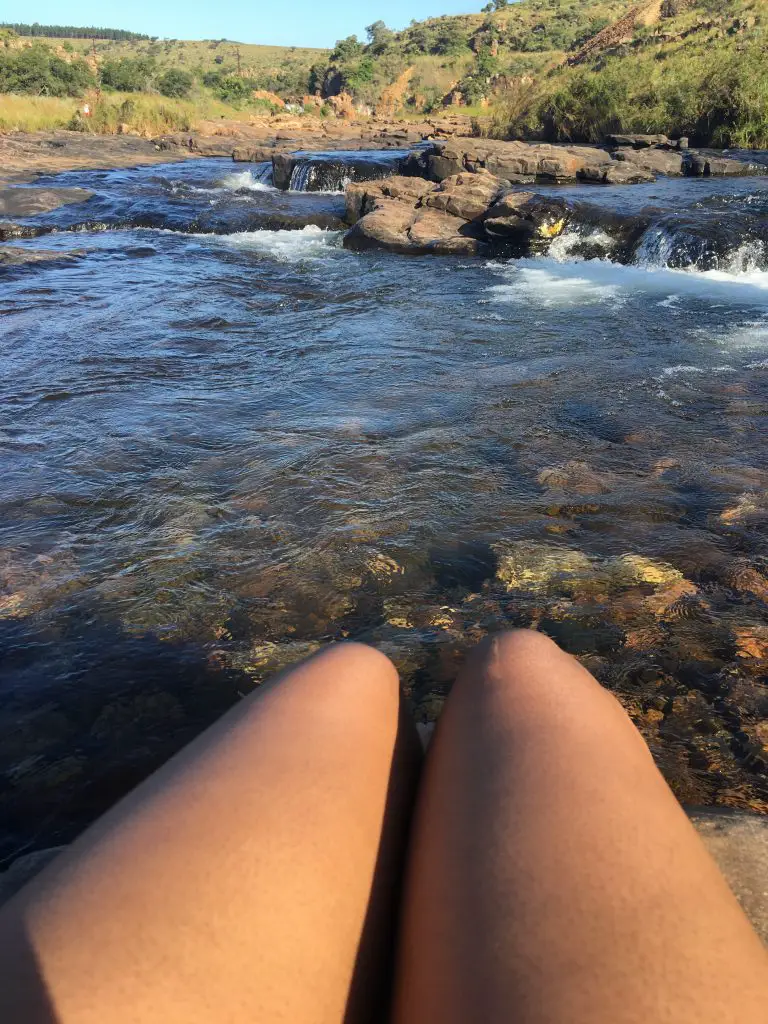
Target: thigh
251, 879
553, 878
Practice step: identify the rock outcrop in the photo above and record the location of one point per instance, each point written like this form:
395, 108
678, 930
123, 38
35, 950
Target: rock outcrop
467, 213
517, 162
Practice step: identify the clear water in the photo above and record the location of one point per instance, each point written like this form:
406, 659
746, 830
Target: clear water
221, 447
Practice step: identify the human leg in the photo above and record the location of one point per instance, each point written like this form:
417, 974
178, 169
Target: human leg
251, 879
553, 877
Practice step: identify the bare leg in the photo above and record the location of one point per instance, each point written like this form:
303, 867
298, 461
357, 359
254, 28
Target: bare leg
553, 877
251, 879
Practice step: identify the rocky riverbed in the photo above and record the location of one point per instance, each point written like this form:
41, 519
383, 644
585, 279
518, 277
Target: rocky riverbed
232, 434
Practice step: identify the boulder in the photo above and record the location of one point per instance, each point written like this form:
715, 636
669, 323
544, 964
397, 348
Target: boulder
704, 165
639, 141
282, 169
363, 197
658, 161
465, 195
26, 202
410, 215
399, 227
522, 216
253, 154
516, 162
616, 173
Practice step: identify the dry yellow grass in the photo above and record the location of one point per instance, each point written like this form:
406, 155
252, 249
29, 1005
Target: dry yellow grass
145, 114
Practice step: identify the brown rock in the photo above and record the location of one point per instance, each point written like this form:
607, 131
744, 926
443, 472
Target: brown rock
26, 202
658, 161
519, 216
439, 232
465, 195
615, 173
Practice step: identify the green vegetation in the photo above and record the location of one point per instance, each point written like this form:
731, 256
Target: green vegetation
70, 32
39, 71
700, 72
694, 67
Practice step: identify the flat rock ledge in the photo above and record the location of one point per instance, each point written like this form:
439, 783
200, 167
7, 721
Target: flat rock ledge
623, 160
738, 841
465, 214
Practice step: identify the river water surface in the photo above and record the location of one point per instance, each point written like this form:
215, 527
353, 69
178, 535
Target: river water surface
225, 441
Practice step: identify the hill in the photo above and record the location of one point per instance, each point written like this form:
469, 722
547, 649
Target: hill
560, 70
572, 70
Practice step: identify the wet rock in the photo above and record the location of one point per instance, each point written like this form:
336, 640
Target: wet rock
541, 568
393, 215
747, 580
752, 642
576, 476
522, 215
27, 202
15, 256
632, 568
363, 198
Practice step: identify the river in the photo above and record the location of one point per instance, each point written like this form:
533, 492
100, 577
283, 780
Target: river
225, 439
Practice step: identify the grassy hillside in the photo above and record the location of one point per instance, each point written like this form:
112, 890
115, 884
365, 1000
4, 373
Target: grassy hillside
688, 67
699, 70
554, 69
200, 56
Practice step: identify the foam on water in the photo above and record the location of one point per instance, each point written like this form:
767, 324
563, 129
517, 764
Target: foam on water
245, 180
310, 242
553, 282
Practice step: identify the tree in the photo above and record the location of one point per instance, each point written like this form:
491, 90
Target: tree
346, 50
129, 74
175, 83
379, 36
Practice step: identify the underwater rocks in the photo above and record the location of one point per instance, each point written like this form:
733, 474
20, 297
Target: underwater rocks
15, 256
26, 202
466, 213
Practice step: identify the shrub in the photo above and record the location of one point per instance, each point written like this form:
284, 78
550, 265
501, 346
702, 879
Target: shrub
174, 83
129, 74
38, 71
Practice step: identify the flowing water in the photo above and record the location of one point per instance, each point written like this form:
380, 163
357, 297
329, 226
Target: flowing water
226, 439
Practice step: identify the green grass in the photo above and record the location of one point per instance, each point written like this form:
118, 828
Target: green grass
143, 114
198, 55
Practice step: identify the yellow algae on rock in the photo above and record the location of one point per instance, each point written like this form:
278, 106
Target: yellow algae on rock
639, 569
383, 567
527, 565
551, 230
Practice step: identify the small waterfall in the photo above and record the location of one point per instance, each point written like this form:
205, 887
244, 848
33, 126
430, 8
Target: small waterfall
300, 177
701, 247
333, 172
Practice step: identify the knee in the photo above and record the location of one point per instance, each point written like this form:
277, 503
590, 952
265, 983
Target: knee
523, 667
358, 672
512, 651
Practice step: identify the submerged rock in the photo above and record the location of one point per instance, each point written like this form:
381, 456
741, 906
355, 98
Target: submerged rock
26, 202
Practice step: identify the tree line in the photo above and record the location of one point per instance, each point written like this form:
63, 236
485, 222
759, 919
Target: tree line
72, 32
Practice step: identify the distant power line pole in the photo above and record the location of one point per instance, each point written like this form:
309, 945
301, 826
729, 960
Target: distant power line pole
237, 54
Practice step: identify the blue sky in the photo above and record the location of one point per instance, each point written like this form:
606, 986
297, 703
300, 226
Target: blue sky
286, 23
